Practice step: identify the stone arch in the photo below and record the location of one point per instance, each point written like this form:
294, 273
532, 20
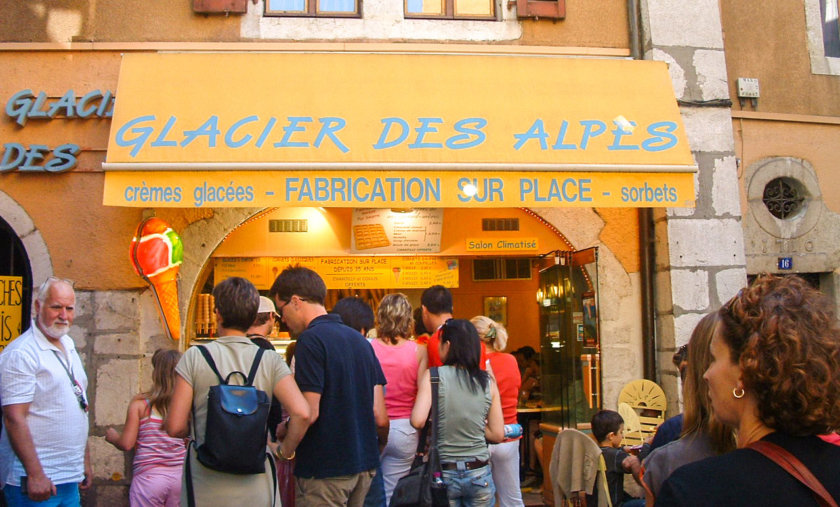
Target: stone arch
578, 227
19, 220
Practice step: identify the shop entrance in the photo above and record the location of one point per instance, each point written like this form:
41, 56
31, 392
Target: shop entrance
15, 285
507, 264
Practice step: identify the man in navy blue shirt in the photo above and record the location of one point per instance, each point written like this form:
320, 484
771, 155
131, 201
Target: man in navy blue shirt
341, 379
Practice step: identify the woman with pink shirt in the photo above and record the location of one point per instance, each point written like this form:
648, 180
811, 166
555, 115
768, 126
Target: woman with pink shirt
403, 362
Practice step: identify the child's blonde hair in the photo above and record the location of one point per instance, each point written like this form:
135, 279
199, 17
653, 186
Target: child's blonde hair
163, 379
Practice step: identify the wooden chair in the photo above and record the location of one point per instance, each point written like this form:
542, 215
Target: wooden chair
648, 401
632, 425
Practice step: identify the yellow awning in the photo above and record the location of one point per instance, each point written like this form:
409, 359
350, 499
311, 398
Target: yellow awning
383, 130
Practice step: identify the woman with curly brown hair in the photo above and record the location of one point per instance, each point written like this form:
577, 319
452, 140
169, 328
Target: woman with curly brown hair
775, 376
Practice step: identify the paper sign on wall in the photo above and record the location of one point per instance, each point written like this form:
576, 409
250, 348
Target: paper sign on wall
377, 231
415, 272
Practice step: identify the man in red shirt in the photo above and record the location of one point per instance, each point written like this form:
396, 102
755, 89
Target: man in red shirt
436, 303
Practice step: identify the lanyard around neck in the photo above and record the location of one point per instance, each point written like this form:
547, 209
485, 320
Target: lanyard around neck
68, 370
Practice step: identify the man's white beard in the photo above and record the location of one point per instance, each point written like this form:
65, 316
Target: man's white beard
56, 330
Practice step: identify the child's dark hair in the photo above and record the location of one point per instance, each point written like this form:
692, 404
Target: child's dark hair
464, 350
604, 423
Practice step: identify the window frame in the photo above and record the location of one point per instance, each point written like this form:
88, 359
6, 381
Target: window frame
820, 62
312, 11
827, 38
449, 12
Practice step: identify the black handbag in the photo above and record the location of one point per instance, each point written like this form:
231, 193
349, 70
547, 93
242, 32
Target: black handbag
424, 486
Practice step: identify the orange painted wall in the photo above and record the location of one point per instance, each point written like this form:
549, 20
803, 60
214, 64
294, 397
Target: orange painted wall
522, 310
601, 24
587, 24
816, 143
789, 89
770, 44
126, 20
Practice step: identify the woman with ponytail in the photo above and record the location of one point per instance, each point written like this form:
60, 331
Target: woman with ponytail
504, 456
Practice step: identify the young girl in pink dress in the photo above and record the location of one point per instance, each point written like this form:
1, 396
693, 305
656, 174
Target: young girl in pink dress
159, 458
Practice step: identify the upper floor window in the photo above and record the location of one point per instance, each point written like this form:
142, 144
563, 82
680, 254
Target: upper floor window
319, 8
821, 25
830, 28
450, 9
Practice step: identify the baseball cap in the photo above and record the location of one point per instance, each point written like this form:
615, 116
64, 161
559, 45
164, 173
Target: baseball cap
267, 306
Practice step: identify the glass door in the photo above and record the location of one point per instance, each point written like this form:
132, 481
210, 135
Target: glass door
570, 357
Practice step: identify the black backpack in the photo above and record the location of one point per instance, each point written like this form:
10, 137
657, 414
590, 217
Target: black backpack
237, 423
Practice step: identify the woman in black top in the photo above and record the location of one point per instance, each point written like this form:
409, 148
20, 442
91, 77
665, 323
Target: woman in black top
775, 376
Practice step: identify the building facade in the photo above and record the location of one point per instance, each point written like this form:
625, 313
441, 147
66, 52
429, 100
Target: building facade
77, 75
785, 125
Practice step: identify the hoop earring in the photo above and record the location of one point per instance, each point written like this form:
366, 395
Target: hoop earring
735, 392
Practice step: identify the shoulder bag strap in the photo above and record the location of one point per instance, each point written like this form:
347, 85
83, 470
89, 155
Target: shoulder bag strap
209, 359
433, 451
274, 477
254, 366
796, 468
188, 477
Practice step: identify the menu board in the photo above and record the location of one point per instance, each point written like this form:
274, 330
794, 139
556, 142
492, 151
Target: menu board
357, 272
378, 231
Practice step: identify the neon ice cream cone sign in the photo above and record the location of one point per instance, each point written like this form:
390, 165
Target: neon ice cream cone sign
156, 254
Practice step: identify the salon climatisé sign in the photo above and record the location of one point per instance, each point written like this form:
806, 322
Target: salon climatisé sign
383, 130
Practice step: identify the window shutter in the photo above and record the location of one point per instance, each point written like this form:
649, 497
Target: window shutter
220, 6
553, 9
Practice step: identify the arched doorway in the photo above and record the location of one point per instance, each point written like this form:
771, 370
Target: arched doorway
15, 285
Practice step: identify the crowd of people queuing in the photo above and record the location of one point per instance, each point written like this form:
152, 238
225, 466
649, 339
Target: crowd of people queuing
350, 400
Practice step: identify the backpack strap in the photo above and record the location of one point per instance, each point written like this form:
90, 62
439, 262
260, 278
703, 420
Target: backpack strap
249, 380
209, 359
188, 478
796, 468
254, 366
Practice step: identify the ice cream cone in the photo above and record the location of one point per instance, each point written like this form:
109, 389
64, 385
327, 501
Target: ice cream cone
166, 290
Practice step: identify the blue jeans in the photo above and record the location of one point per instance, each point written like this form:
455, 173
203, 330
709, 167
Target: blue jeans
376, 494
67, 495
470, 487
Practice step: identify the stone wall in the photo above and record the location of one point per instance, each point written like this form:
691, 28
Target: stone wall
116, 333
700, 251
